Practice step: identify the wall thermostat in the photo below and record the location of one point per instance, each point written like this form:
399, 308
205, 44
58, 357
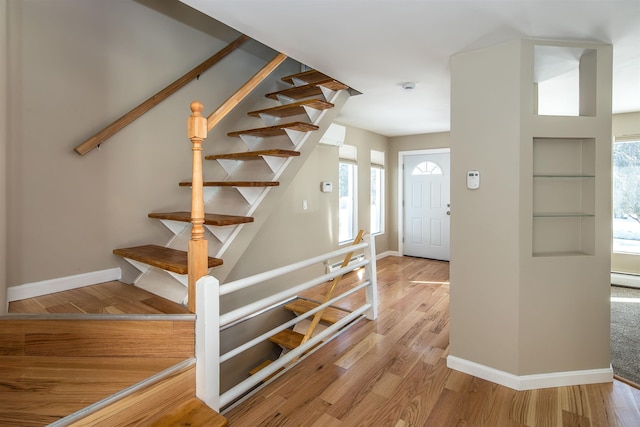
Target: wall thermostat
473, 180
326, 186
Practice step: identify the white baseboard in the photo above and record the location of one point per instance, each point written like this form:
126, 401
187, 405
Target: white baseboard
625, 280
530, 382
387, 253
45, 287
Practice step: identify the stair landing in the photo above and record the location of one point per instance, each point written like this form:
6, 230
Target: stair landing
36, 391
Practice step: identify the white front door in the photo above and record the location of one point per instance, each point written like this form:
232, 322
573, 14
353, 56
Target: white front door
426, 205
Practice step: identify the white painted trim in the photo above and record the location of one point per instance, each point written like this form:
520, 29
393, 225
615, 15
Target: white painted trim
46, 287
531, 382
400, 211
625, 280
386, 254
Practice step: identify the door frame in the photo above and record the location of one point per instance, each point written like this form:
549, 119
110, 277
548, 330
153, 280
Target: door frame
401, 155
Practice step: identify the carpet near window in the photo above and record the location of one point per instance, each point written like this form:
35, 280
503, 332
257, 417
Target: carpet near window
625, 333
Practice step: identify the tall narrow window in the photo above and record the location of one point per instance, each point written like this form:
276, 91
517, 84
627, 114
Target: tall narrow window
347, 183
626, 196
377, 192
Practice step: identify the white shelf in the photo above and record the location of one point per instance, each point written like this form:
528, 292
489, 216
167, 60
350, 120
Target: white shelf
563, 196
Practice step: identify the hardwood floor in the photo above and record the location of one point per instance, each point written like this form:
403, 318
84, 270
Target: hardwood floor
392, 372
51, 370
104, 298
389, 372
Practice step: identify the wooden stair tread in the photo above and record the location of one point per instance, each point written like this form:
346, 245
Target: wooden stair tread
293, 109
308, 90
209, 219
309, 76
234, 184
158, 256
193, 412
249, 155
260, 367
276, 130
329, 314
287, 339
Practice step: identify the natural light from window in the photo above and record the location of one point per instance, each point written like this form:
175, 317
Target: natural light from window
427, 168
347, 219
626, 196
377, 192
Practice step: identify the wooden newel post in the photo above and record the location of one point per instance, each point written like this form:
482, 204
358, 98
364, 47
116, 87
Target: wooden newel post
198, 251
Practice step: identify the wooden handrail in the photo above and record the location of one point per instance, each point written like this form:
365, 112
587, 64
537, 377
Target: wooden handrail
197, 255
224, 109
197, 129
138, 111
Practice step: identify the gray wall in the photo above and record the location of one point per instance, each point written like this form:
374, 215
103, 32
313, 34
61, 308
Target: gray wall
4, 132
75, 66
315, 230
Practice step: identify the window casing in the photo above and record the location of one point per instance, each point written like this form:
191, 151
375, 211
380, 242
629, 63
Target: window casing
377, 192
626, 196
347, 194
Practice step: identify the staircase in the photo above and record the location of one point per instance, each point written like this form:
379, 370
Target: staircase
289, 339
247, 185
85, 358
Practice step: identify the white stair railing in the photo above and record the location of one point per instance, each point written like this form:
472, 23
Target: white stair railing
209, 321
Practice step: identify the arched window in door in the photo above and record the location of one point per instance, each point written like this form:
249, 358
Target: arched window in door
427, 168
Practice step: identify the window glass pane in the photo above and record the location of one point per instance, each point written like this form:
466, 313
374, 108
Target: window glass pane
347, 219
377, 200
427, 168
626, 197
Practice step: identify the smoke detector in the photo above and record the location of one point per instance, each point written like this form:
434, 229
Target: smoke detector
409, 85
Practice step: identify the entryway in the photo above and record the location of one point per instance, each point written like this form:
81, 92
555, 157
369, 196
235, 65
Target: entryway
426, 203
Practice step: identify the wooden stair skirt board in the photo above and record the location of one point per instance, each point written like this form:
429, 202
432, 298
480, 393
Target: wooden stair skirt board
276, 130
234, 184
307, 91
209, 219
330, 315
98, 336
293, 109
158, 256
252, 155
167, 400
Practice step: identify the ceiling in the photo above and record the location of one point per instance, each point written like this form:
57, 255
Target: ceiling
376, 45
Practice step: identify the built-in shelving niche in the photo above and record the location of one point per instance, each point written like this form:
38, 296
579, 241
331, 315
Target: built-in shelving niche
564, 81
563, 196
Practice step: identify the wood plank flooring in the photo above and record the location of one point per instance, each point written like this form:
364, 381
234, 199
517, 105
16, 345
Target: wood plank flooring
36, 391
104, 298
40, 387
392, 372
